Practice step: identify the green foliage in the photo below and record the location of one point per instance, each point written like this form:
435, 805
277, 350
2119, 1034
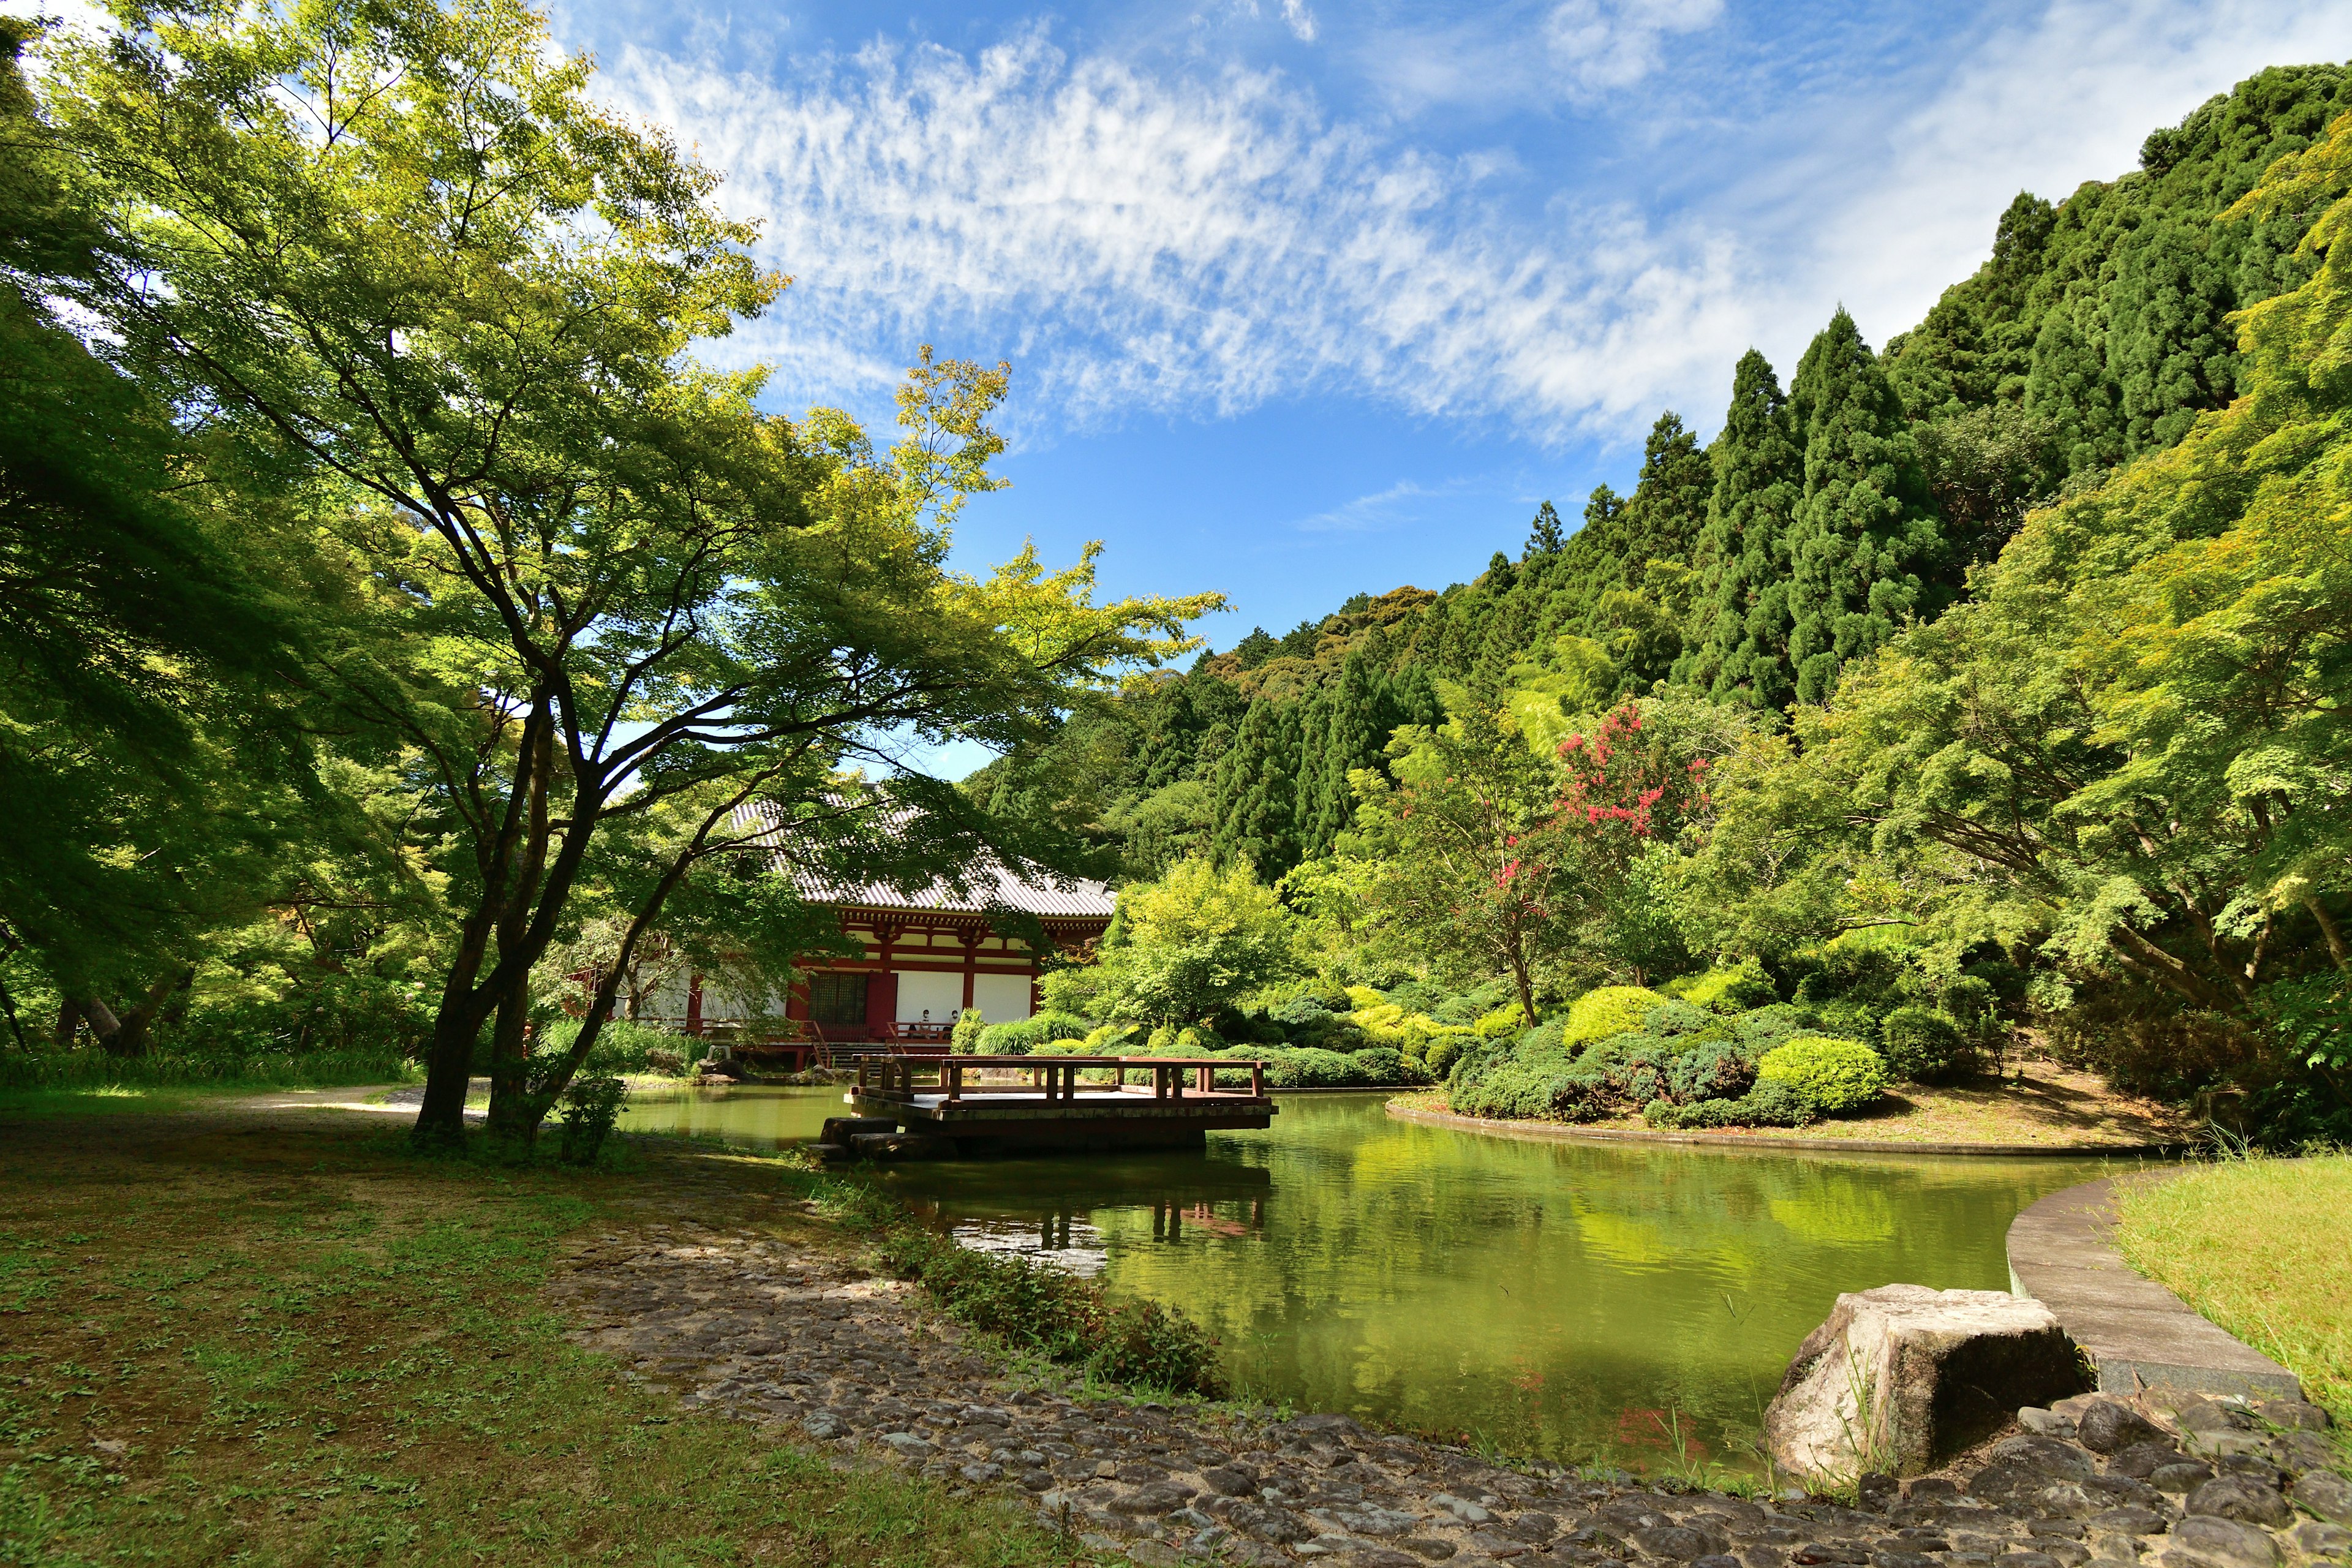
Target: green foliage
1469, 868
1020, 1039
1831, 1074
1770, 1103
1733, 989
589, 1106
1924, 1046
965, 1036
1608, 1010
1504, 1021
1441, 1055
1864, 544
1035, 1307
622, 1045
1196, 941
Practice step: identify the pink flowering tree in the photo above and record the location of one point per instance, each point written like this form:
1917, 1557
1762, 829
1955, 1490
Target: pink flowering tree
1625, 795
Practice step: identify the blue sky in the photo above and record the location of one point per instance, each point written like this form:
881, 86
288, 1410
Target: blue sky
1304, 300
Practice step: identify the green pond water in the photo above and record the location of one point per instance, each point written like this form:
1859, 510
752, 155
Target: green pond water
1563, 1299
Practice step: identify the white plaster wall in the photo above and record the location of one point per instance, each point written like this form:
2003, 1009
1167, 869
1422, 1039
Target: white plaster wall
1001, 998
919, 989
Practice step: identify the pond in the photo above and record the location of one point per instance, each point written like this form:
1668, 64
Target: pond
1559, 1299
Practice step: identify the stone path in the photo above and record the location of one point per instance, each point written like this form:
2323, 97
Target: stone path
818, 1350
2137, 1333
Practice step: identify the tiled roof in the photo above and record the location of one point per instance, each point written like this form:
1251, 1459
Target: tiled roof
993, 885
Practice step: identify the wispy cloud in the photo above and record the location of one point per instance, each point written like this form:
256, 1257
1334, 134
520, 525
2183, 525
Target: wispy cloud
1400, 504
1189, 243
1615, 43
1177, 239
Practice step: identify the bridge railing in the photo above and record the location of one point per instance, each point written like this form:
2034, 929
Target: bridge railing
1056, 1078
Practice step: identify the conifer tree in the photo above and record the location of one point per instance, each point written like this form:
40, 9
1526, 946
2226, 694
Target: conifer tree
1740, 648
1257, 790
2067, 384
1865, 535
1545, 536
1347, 727
1663, 519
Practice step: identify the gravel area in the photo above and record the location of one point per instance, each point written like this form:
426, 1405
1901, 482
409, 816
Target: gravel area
821, 1352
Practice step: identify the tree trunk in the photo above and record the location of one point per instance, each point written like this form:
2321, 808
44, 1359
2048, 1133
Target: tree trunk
69, 1018
1526, 989
513, 1123
2331, 931
449, 1065
514, 1119
126, 1034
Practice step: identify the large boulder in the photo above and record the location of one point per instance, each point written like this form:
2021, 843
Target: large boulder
1900, 1378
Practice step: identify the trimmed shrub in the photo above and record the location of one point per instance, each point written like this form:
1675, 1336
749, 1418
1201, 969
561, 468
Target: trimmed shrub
1769, 1104
1831, 1074
1500, 1024
1764, 1027
1845, 1018
1305, 1068
1728, 990
1719, 1069
1361, 997
1772, 1103
1515, 1091
1545, 1042
964, 1039
1301, 1012
1610, 1010
1024, 1035
1443, 1053
1675, 1017
1924, 1046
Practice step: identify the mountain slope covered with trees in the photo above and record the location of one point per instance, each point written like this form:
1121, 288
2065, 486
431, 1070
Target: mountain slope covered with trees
2006, 652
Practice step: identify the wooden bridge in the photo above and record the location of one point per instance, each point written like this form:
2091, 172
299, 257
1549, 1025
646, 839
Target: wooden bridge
971, 1105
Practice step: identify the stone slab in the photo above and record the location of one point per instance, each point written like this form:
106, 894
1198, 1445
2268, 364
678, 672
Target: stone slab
2137, 1334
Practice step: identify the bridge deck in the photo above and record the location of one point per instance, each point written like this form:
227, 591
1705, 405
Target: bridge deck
1047, 1104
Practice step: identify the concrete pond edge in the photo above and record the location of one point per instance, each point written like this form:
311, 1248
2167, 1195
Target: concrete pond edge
1564, 1132
2137, 1334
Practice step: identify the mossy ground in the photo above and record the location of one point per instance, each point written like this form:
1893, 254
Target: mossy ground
2263, 1248
271, 1336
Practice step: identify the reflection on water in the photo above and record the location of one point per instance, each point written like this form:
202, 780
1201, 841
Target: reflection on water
1562, 1299
1058, 1239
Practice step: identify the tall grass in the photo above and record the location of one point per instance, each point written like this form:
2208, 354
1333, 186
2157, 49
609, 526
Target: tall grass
91, 1069
2263, 1247
1033, 1306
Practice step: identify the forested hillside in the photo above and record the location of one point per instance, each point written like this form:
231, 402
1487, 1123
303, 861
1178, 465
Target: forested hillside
1826, 513
1990, 681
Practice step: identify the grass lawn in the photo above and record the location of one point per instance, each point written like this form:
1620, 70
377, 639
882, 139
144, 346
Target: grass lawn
276, 1337
2263, 1248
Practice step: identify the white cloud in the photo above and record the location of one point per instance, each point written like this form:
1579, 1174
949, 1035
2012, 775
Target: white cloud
1607, 44
1179, 244
1382, 510
1200, 243
2065, 97
1299, 20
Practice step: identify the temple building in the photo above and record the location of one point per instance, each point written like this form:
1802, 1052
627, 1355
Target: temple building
927, 957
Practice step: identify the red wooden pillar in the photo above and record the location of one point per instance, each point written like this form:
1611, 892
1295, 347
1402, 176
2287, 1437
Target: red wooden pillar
882, 990
971, 941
